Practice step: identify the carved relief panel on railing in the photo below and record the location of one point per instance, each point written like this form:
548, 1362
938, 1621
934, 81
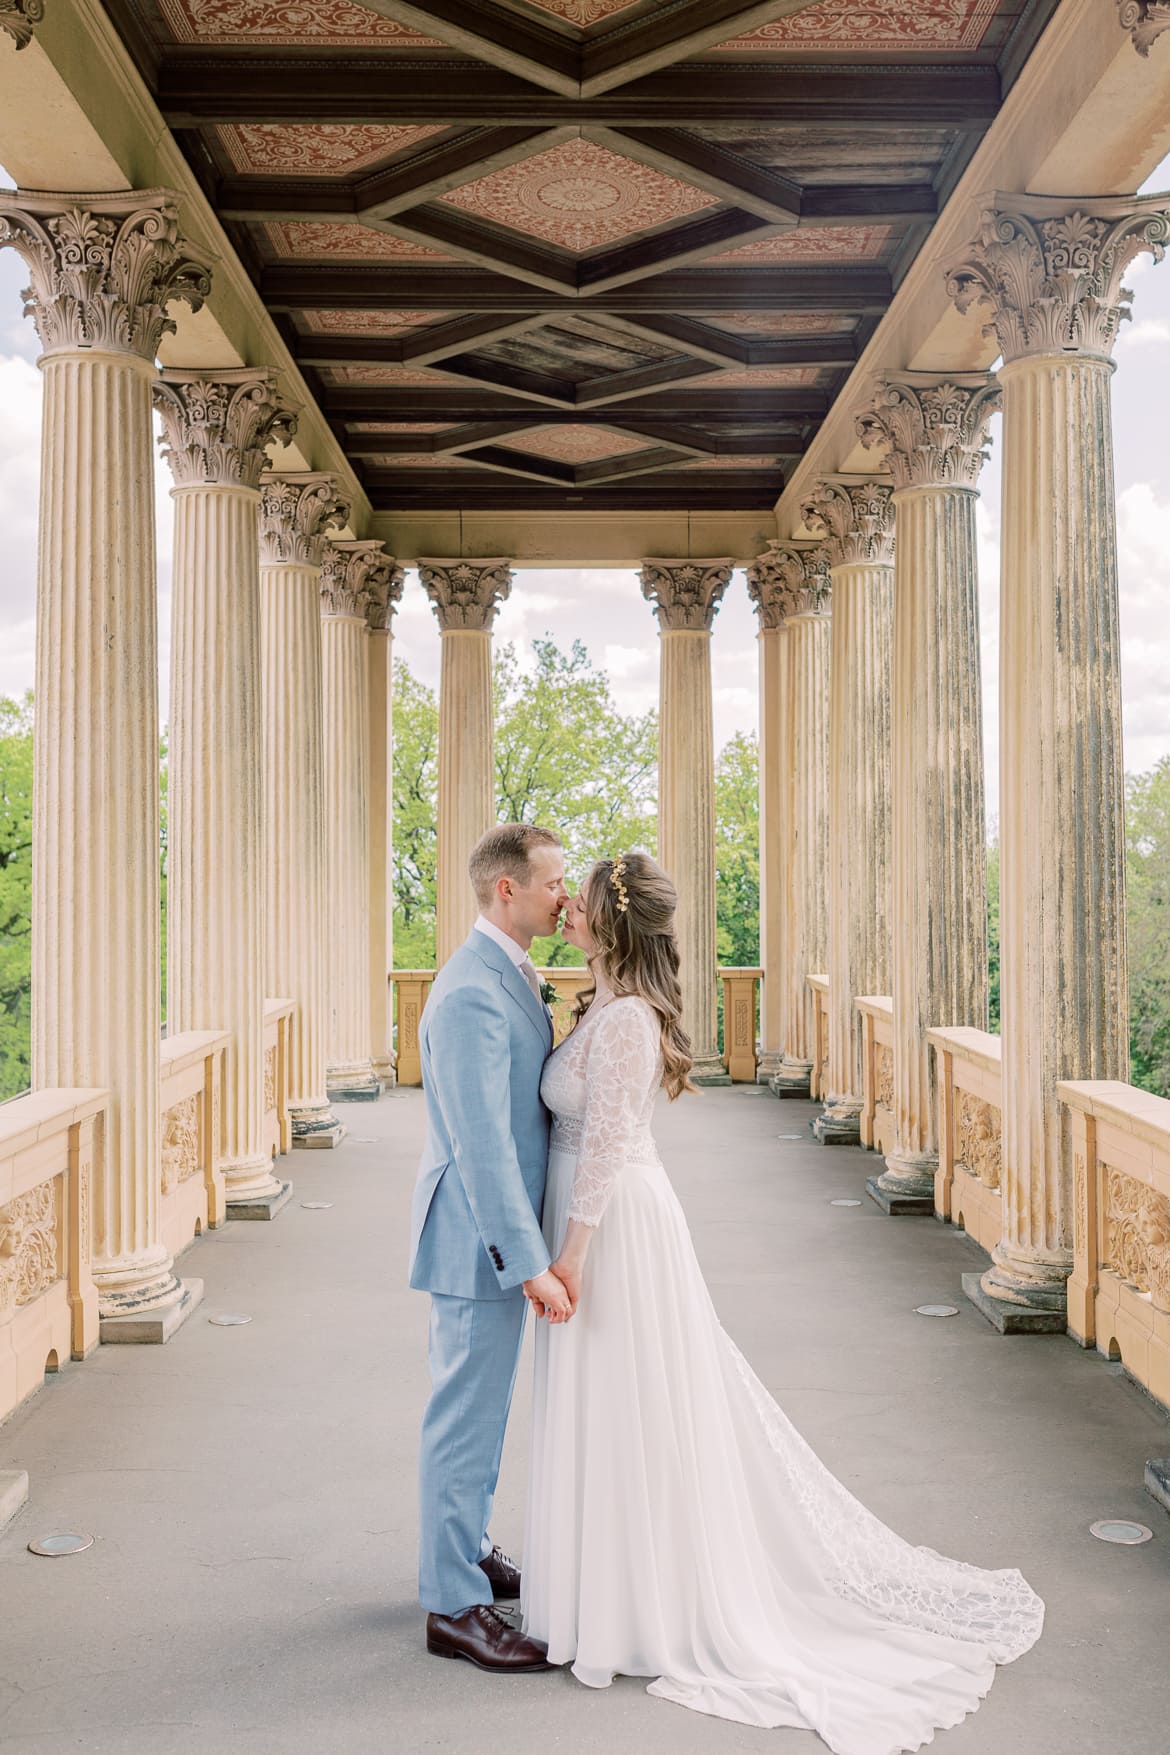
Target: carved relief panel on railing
30, 1245
977, 1145
182, 1149
1137, 1234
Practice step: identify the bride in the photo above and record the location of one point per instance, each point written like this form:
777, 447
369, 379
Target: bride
678, 1525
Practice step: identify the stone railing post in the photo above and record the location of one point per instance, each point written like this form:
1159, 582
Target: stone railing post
1050, 270
853, 515
933, 431
103, 270
686, 596
791, 588
296, 512
217, 425
465, 596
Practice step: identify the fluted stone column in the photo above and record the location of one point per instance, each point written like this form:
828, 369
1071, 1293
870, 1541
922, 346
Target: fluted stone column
380, 686
932, 431
465, 596
854, 516
1145, 20
791, 588
19, 18
217, 425
296, 512
686, 596
1051, 271
354, 575
103, 269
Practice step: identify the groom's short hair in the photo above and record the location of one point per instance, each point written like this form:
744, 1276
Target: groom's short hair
506, 851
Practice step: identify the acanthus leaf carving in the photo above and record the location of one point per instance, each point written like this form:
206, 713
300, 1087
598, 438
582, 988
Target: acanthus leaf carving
104, 268
218, 424
686, 594
791, 578
20, 18
1145, 20
465, 594
296, 513
853, 515
359, 579
931, 430
30, 1246
1051, 272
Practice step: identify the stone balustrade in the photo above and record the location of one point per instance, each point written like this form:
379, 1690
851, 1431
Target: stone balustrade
191, 1086
875, 1013
970, 1152
411, 987
1119, 1290
740, 1008
51, 1144
818, 986
278, 1016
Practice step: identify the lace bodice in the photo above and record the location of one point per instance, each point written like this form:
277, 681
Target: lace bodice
600, 1085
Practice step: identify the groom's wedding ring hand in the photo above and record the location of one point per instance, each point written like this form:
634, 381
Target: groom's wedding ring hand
548, 1296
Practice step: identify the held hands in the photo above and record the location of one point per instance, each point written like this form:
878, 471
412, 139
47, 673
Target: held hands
550, 1295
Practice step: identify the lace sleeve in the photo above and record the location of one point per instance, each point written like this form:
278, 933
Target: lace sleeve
621, 1077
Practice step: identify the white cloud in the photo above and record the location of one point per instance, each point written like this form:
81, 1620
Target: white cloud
1153, 333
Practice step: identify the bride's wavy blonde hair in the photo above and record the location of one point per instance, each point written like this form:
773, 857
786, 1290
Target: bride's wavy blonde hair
631, 922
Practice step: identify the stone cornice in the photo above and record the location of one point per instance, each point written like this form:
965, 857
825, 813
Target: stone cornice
20, 17
853, 515
218, 424
103, 268
359, 579
465, 595
792, 578
686, 594
296, 513
1050, 268
1145, 20
931, 428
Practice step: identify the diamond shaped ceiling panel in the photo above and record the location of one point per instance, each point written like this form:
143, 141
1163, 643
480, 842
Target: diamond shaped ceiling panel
315, 149
583, 12
303, 238
870, 26
368, 322
827, 243
582, 444
319, 24
762, 377
579, 196
781, 323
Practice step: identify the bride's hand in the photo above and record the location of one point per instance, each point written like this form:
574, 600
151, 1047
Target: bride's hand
570, 1274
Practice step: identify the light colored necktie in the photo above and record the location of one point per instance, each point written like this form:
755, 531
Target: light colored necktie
528, 970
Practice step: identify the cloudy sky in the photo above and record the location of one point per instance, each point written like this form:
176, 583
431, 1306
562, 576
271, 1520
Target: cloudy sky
605, 608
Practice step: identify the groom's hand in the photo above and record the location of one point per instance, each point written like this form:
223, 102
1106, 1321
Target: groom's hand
569, 1273
548, 1296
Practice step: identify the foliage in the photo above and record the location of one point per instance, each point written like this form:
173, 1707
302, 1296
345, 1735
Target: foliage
1148, 882
737, 843
16, 779
993, 936
415, 803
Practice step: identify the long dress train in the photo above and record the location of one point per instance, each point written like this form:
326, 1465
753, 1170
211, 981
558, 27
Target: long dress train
678, 1525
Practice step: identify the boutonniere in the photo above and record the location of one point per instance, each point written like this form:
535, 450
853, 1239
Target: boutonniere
548, 993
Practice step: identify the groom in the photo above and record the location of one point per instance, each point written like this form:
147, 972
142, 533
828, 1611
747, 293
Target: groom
476, 1242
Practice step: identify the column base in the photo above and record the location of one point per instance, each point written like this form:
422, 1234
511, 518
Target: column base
353, 1084
152, 1328
905, 1187
897, 1204
710, 1070
1157, 1482
247, 1180
792, 1078
768, 1066
1012, 1318
315, 1128
385, 1074
13, 1494
260, 1206
838, 1124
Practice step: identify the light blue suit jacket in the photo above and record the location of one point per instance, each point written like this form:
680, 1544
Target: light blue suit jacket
483, 1039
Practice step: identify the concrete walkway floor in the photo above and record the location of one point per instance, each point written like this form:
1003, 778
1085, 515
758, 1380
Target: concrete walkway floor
252, 1491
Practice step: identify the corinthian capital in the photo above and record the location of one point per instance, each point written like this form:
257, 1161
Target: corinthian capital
686, 594
359, 579
296, 514
218, 424
1145, 20
20, 17
1050, 269
103, 268
792, 578
931, 429
465, 594
853, 515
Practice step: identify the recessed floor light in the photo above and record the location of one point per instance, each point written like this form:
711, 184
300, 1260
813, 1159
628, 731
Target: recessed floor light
229, 1321
844, 1203
1121, 1531
316, 1206
789, 1136
53, 1547
936, 1310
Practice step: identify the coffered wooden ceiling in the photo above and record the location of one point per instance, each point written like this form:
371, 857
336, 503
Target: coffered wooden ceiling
605, 254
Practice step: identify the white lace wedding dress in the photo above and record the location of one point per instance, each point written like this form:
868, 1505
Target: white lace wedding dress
678, 1525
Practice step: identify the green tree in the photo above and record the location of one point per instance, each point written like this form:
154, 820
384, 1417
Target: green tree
737, 852
993, 935
1148, 882
16, 780
416, 803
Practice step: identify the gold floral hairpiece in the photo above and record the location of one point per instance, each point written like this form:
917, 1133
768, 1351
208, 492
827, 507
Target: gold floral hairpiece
617, 879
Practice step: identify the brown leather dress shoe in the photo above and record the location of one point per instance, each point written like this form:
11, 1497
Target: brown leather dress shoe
485, 1639
502, 1574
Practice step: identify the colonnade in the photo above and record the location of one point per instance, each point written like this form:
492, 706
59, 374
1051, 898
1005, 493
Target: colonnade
278, 822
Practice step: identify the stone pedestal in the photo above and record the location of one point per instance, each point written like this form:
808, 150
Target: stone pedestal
1051, 271
296, 512
380, 759
103, 269
854, 516
932, 431
465, 596
354, 575
686, 595
790, 586
217, 425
